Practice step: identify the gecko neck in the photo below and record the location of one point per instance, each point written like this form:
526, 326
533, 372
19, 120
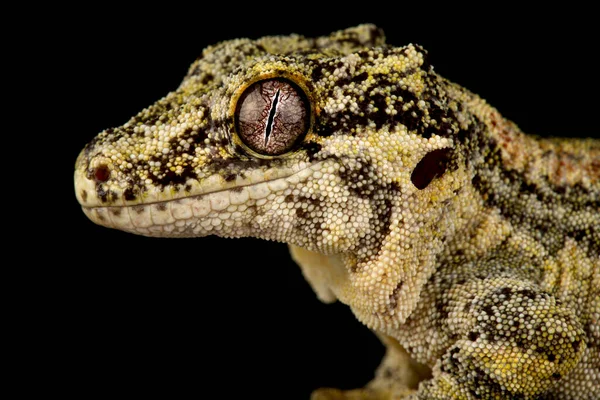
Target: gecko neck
541, 185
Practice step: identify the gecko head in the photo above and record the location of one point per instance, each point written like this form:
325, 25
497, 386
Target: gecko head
315, 142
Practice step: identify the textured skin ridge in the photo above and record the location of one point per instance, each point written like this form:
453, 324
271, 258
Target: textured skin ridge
471, 248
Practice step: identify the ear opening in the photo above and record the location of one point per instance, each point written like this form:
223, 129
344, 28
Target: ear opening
433, 165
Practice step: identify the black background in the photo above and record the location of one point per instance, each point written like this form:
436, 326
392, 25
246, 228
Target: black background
118, 313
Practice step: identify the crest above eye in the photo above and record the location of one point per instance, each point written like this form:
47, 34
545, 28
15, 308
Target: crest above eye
271, 116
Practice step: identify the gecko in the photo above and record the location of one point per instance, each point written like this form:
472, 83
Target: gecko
470, 248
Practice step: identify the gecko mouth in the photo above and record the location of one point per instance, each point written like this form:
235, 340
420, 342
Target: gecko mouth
198, 214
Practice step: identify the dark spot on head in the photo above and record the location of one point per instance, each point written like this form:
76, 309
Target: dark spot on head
129, 194
361, 77
170, 178
116, 211
161, 206
316, 73
101, 173
488, 309
311, 149
187, 188
385, 217
473, 336
431, 166
325, 128
230, 177
102, 193
301, 213
527, 293
355, 179
467, 307
310, 200
551, 357
138, 209
506, 293
556, 376
259, 49
289, 198
206, 78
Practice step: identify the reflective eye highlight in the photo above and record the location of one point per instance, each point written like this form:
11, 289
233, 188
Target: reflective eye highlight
272, 116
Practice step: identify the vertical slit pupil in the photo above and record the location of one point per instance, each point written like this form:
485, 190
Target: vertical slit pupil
272, 116
272, 112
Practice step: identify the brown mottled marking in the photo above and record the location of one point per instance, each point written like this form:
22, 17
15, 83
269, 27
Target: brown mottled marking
138, 209
571, 163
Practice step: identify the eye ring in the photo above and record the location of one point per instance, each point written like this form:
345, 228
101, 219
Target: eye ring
272, 116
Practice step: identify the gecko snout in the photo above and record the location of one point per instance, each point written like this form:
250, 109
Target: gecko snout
91, 176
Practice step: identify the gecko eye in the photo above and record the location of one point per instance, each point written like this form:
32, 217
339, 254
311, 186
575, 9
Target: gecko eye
272, 116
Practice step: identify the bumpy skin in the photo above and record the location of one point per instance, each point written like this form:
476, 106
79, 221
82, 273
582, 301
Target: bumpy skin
472, 249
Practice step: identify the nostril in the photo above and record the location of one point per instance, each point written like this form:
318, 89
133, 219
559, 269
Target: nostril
101, 173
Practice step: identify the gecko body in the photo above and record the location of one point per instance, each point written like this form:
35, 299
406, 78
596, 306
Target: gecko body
470, 248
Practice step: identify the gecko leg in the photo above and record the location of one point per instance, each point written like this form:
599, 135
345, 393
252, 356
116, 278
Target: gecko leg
513, 341
397, 377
